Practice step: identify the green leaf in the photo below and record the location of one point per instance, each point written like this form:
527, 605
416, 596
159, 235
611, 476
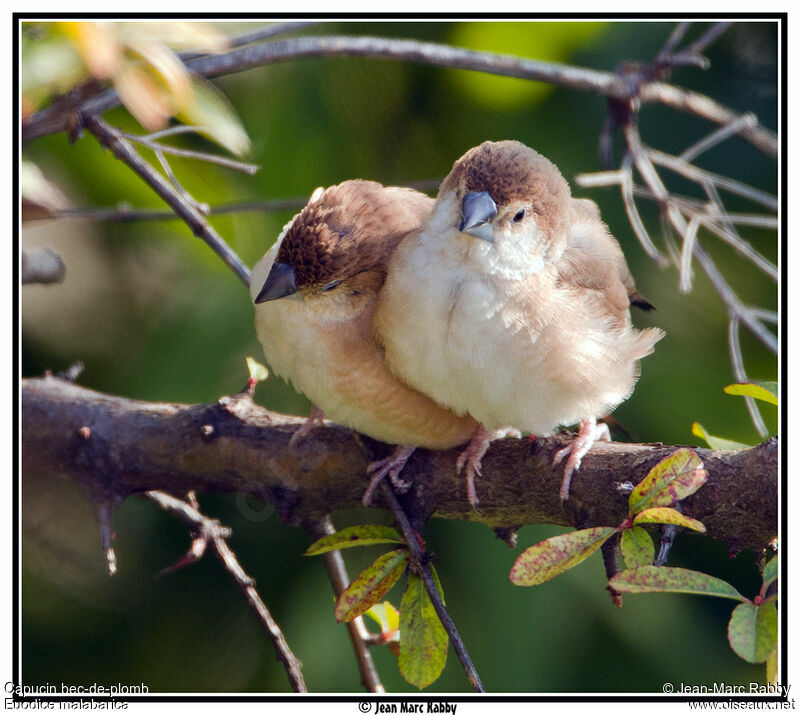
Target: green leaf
753, 631
371, 585
764, 391
636, 547
210, 110
674, 478
361, 535
667, 579
257, 371
385, 615
716, 442
549, 558
770, 571
423, 639
668, 515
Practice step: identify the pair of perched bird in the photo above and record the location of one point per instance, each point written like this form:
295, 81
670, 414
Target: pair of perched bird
501, 306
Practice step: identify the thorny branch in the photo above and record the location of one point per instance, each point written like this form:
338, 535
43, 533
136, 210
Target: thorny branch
209, 532
237, 446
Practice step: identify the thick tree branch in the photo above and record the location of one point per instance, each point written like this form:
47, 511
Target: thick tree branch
237, 446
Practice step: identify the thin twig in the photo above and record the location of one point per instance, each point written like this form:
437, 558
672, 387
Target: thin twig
150, 143
674, 39
360, 637
213, 534
718, 136
124, 151
707, 38
730, 235
262, 33
633, 213
698, 175
741, 374
419, 557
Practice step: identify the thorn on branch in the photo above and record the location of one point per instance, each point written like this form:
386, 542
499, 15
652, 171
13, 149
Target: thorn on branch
107, 534
507, 534
72, 373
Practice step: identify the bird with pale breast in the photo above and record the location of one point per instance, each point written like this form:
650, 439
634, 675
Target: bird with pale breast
315, 293
511, 304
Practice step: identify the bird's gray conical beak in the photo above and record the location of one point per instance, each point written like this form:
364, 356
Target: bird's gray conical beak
279, 283
477, 211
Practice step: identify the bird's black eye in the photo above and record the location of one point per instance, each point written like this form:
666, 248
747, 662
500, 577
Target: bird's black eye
331, 285
519, 216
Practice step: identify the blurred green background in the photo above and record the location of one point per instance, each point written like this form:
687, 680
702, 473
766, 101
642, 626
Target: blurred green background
154, 315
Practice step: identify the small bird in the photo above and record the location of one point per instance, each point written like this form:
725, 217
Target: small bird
511, 304
315, 294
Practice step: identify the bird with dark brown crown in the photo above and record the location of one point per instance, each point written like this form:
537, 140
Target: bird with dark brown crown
511, 304
315, 292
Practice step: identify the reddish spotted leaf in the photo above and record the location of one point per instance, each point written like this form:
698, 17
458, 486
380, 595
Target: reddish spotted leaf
668, 515
423, 639
371, 585
654, 579
674, 478
549, 558
361, 535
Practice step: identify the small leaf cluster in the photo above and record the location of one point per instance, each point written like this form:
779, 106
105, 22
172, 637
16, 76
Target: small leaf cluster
140, 60
650, 502
416, 634
753, 626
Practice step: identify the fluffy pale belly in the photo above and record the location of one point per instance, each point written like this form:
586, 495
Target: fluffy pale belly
505, 372
349, 381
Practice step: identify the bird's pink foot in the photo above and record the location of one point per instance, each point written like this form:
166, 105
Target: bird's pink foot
314, 418
392, 465
471, 457
589, 432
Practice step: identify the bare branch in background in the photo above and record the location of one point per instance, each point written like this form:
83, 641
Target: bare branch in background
209, 532
686, 216
609, 84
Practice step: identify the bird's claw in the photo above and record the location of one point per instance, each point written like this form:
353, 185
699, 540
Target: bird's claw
391, 466
314, 418
589, 433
